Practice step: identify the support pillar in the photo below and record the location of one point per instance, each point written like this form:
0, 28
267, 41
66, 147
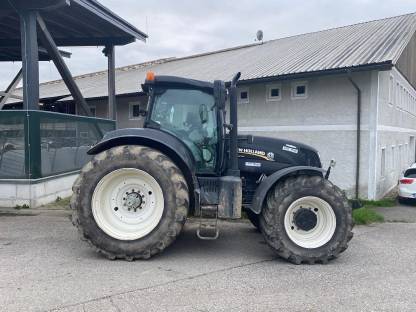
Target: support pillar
30, 59
109, 51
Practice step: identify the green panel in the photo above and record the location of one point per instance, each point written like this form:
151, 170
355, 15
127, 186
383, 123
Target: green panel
34, 146
50, 143
13, 160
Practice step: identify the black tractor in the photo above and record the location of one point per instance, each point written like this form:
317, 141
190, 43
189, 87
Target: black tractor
132, 199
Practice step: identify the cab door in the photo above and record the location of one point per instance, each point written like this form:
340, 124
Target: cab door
191, 116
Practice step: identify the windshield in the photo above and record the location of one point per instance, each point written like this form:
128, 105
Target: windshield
190, 116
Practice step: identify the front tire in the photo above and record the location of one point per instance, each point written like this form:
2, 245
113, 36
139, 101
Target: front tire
130, 202
306, 219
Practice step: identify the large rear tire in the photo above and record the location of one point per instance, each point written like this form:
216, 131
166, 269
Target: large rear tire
307, 219
130, 202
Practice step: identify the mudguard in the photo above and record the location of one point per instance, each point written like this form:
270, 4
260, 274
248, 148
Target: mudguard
159, 140
267, 183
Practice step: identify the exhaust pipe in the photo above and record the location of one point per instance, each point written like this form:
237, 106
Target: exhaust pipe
233, 168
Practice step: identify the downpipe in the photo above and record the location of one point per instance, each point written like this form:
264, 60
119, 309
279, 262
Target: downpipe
358, 140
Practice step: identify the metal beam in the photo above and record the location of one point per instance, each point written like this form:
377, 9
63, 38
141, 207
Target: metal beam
11, 88
30, 59
109, 52
49, 44
76, 41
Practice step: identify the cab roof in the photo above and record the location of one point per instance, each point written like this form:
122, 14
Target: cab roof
173, 82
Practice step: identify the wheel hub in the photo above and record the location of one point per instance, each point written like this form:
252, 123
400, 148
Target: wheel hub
133, 200
305, 219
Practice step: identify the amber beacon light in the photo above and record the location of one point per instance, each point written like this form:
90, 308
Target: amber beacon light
150, 76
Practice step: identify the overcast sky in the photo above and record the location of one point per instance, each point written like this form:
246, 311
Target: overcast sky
185, 27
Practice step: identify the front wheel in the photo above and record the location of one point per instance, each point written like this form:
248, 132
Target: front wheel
130, 202
306, 219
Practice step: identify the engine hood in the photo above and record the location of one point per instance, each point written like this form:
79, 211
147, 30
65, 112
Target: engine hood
274, 153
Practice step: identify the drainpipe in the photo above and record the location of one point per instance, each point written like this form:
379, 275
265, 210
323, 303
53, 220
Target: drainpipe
358, 141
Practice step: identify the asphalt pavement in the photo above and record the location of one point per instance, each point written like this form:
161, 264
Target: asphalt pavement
45, 267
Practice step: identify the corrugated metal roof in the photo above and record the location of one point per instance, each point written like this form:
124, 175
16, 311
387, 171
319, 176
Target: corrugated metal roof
375, 42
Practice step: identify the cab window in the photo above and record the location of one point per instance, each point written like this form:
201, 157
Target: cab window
190, 115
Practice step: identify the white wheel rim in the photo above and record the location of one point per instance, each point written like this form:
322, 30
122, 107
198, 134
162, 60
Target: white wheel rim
127, 203
325, 226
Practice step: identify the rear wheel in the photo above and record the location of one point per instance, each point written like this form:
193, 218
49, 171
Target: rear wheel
307, 219
130, 202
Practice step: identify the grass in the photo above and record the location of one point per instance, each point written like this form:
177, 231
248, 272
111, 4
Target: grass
385, 202
59, 203
19, 207
62, 202
367, 215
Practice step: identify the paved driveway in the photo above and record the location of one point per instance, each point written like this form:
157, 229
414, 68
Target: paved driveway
44, 266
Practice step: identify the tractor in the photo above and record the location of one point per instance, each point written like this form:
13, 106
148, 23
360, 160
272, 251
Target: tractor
133, 198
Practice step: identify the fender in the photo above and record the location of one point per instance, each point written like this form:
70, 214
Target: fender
159, 140
271, 180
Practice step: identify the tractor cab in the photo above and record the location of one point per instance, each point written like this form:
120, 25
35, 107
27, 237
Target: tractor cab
193, 112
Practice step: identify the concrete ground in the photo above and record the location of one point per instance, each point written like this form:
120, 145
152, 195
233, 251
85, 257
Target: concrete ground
400, 213
44, 266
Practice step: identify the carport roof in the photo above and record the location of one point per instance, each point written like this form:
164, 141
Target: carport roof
71, 23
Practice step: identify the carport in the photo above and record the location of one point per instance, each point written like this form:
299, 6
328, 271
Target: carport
38, 146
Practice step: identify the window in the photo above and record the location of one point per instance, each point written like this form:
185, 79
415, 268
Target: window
401, 97
134, 110
383, 162
93, 110
400, 159
391, 90
243, 96
412, 149
397, 95
410, 173
190, 116
273, 92
393, 157
300, 90
406, 154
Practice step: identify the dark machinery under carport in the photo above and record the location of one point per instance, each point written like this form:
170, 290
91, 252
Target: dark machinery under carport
132, 200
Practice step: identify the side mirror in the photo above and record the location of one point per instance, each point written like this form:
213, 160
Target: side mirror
203, 113
143, 112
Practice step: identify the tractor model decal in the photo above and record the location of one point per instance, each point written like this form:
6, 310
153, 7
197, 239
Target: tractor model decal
256, 153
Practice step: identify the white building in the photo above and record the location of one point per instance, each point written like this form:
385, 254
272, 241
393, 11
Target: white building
317, 88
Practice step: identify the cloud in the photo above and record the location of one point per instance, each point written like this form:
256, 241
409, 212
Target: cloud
184, 27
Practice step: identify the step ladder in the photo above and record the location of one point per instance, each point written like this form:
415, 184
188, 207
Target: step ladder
208, 223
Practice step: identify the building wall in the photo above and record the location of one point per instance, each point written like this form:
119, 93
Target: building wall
396, 129
124, 114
